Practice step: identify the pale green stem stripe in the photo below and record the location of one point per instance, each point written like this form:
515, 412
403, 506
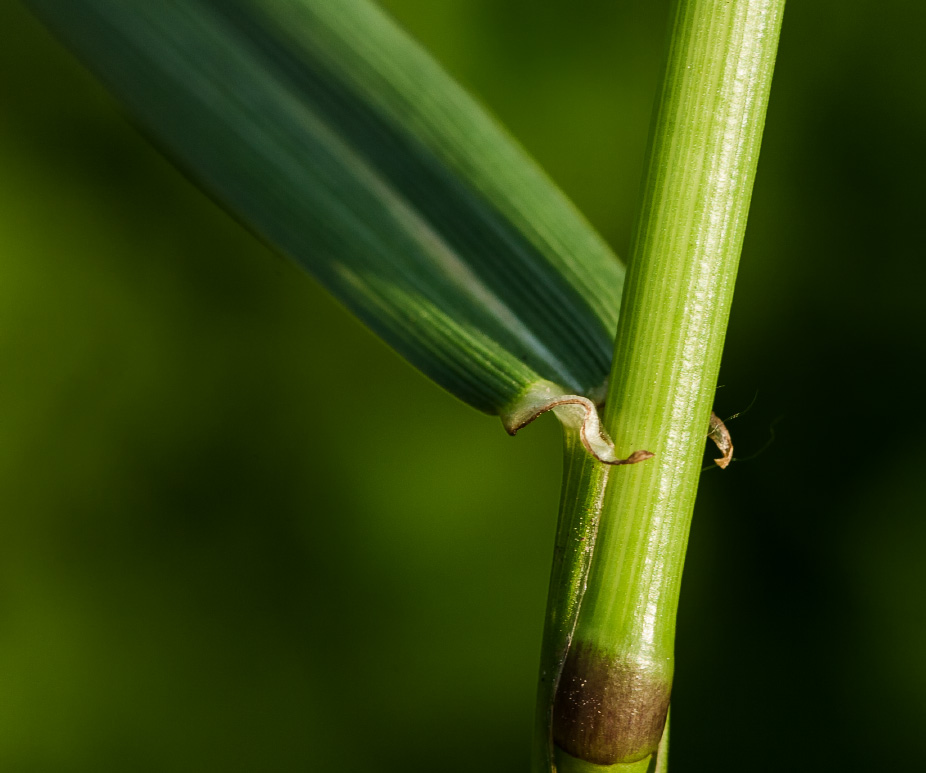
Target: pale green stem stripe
584, 479
701, 167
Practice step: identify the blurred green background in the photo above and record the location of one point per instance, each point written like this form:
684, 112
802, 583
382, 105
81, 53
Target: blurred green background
196, 574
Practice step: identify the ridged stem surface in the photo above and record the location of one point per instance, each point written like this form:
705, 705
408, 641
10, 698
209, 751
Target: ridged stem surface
614, 689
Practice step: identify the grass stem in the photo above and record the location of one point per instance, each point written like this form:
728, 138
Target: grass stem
613, 690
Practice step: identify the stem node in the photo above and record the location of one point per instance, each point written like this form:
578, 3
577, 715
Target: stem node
610, 709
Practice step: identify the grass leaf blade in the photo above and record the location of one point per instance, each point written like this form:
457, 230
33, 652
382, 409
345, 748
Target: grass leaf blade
345, 146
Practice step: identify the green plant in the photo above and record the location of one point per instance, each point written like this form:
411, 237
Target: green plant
406, 197
614, 688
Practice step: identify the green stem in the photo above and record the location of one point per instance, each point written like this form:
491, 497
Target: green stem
613, 689
584, 481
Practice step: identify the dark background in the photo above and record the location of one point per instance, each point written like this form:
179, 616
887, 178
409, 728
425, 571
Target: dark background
197, 572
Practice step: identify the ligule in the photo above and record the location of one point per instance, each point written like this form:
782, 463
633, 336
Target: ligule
576, 412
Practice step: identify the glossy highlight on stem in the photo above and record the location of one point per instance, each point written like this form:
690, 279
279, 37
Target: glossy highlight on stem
613, 694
